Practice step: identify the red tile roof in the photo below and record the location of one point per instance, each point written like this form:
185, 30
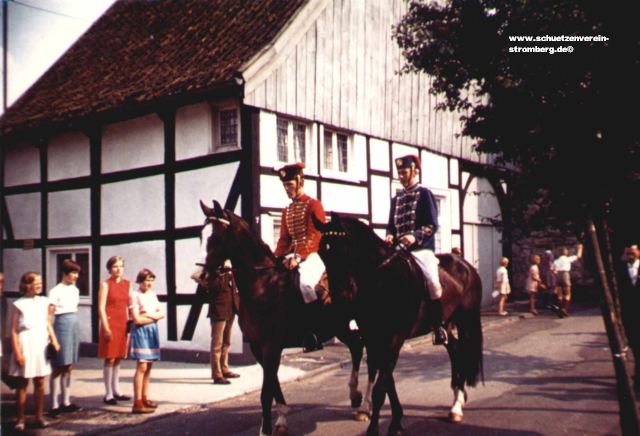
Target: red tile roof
140, 51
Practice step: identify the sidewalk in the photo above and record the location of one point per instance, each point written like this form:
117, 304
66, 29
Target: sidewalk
177, 386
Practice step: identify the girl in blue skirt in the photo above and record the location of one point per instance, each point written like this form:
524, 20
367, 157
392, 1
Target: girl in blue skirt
145, 339
63, 306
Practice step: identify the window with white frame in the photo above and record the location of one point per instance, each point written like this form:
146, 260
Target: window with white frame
226, 127
292, 141
79, 254
277, 224
337, 153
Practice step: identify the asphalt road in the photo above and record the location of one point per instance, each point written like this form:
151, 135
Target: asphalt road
543, 376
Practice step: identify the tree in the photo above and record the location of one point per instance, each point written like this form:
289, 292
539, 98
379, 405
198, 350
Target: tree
565, 121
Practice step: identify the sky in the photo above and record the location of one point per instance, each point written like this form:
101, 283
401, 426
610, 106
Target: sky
39, 32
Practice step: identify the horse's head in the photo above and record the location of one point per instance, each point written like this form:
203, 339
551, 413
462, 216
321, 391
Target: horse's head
337, 251
214, 244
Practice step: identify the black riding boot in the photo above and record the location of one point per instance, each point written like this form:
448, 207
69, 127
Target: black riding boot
314, 312
439, 330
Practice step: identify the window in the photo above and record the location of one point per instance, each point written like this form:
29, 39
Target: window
292, 133
337, 151
277, 223
225, 126
328, 150
229, 128
343, 162
81, 256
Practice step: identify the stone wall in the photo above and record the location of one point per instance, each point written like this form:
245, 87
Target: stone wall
538, 243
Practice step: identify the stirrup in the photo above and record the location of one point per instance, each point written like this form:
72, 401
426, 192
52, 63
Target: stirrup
440, 336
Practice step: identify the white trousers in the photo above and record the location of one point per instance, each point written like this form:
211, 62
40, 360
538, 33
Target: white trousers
428, 263
311, 270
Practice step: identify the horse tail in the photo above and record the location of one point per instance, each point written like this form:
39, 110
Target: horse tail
470, 346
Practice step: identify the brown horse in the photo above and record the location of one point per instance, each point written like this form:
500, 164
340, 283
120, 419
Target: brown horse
272, 314
390, 303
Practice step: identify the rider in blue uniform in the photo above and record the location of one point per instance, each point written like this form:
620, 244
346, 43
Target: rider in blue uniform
413, 222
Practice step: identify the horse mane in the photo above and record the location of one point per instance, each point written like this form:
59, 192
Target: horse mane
239, 223
363, 232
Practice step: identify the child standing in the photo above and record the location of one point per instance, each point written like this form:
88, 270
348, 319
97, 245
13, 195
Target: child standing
31, 332
145, 339
533, 282
502, 287
63, 305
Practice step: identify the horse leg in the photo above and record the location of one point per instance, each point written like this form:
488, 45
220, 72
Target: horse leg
356, 347
364, 412
378, 395
457, 381
395, 428
269, 359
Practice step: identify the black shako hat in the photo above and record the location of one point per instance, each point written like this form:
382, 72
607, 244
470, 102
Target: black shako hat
291, 172
408, 161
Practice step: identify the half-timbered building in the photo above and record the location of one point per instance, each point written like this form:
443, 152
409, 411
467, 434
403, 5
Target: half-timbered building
163, 103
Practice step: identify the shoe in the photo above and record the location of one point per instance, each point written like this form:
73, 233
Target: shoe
19, 425
55, 413
70, 408
150, 404
111, 401
440, 336
230, 375
503, 313
122, 397
221, 381
143, 409
42, 423
534, 312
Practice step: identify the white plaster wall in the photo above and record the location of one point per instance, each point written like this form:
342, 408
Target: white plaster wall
345, 198
150, 254
454, 172
268, 139
193, 131
69, 213
84, 320
360, 157
133, 205
133, 144
21, 165
435, 170
380, 199
206, 184
272, 193
379, 154
187, 251
400, 150
24, 213
456, 241
455, 211
68, 156
16, 262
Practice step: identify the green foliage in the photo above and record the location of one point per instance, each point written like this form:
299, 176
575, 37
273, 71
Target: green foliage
566, 121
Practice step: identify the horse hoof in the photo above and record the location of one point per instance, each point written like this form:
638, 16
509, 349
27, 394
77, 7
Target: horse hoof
362, 416
281, 430
356, 401
454, 417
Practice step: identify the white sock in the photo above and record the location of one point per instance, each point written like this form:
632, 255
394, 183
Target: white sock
107, 373
54, 387
116, 381
65, 382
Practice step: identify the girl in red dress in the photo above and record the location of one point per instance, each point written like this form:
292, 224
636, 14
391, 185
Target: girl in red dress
113, 304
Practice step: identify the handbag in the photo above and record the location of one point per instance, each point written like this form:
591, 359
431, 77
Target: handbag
51, 352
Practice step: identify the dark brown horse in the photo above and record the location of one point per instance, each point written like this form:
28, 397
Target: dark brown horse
390, 303
272, 314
